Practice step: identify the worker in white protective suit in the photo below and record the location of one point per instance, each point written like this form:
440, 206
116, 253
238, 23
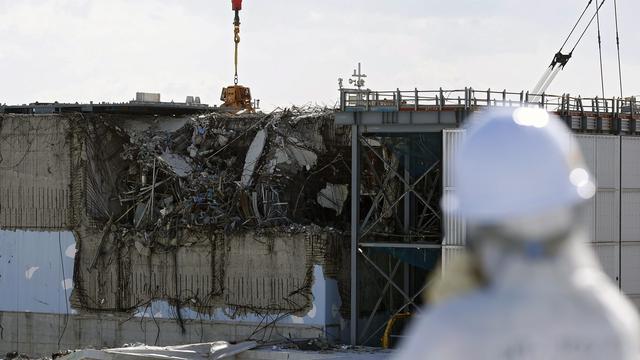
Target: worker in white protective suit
521, 185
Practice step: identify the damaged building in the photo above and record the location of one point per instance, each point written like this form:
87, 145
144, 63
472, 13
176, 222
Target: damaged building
178, 229
172, 229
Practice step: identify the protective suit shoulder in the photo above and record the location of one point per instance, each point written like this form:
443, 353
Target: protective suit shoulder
438, 333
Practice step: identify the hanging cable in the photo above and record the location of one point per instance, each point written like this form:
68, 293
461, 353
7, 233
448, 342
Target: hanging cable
64, 286
587, 27
560, 60
600, 47
575, 25
615, 12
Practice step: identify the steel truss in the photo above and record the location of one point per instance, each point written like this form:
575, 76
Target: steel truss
395, 219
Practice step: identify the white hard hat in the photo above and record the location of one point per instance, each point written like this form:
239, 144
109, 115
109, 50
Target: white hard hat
516, 163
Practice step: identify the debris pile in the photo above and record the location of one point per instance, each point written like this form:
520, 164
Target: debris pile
235, 171
182, 209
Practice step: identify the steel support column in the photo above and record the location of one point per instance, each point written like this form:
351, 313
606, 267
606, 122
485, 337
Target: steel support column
355, 228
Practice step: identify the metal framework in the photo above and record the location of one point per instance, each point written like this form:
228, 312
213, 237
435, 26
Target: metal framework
396, 168
395, 217
438, 109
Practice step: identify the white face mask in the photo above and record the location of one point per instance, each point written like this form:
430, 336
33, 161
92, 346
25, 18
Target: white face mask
528, 239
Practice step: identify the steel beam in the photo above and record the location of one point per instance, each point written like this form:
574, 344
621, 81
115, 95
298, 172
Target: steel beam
355, 228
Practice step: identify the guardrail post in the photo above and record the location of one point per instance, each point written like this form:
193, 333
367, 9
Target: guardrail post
489, 97
368, 104
612, 100
632, 121
521, 97
579, 105
526, 98
441, 99
399, 97
504, 97
465, 97
415, 106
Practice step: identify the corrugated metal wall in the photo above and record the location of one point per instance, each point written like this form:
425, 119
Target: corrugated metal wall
630, 219
615, 162
454, 226
602, 156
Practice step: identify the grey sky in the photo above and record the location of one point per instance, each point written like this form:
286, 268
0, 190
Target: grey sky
292, 52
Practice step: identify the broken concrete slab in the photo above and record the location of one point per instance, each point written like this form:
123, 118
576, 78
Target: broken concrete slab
185, 239
215, 350
333, 196
178, 164
253, 156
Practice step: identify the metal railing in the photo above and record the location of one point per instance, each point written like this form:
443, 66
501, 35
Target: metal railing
469, 98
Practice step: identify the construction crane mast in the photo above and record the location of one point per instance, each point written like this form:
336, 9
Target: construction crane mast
236, 96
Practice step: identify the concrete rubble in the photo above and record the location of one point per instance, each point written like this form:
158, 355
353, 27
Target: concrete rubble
249, 350
210, 181
213, 217
215, 351
203, 173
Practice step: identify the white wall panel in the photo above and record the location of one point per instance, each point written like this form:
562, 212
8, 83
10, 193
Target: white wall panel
608, 257
630, 215
607, 170
630, 220
590, 214
602, 157
631, 268
451, 140
454, 227
607, 226
631, 162
587, 144
601, 154
611, 168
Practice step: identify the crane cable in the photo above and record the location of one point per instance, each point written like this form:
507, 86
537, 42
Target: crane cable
587, 27
575, 25
236, 40
562, 59
615, 11
600, 47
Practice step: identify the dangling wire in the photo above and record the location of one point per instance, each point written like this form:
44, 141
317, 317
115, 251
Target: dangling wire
600, 47
615, 11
